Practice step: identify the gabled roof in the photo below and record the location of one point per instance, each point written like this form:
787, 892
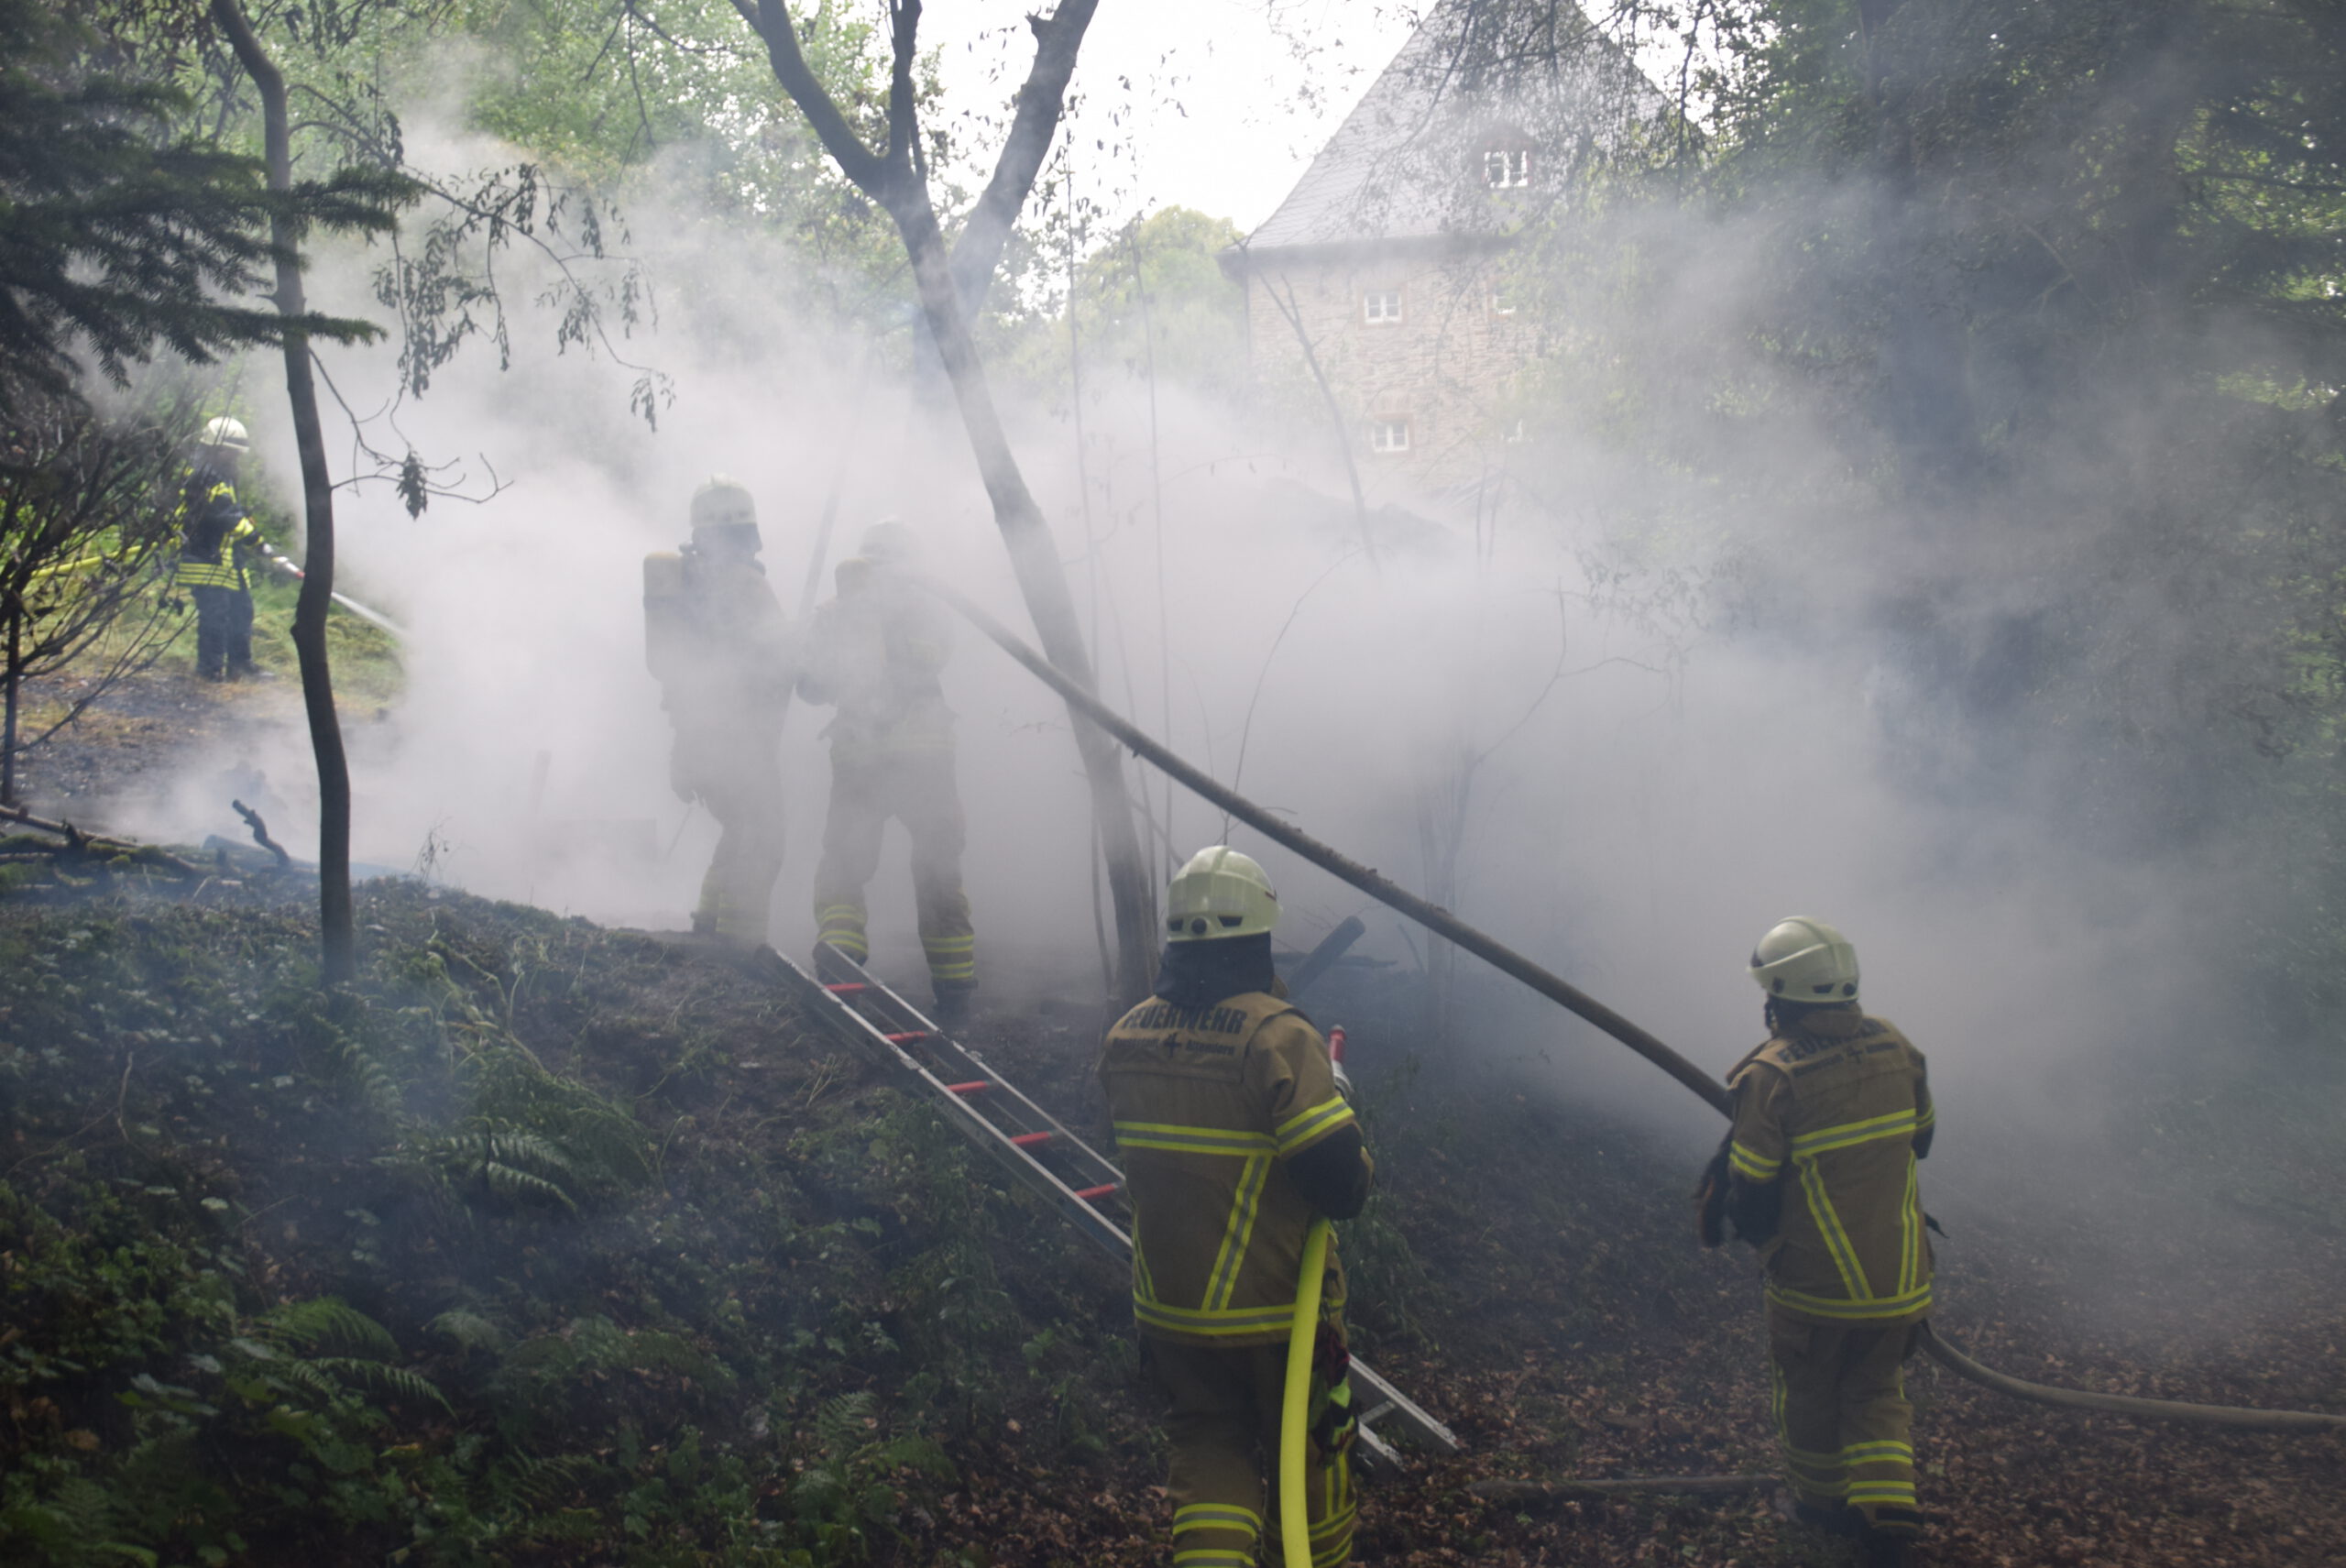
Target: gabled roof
1407, 163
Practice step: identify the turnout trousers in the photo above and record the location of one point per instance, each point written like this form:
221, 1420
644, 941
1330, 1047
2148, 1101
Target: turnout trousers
223, 631
916, 788
738, 775
1223, 1427
1839, 1401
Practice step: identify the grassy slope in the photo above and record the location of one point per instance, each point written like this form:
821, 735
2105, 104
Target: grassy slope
696, 1286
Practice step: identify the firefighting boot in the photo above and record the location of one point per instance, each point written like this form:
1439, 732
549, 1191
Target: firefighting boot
1886, 1549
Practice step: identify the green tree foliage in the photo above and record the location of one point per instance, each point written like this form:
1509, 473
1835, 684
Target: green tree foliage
119, 231
673, 108
2003, 345
1149, 300
88, 505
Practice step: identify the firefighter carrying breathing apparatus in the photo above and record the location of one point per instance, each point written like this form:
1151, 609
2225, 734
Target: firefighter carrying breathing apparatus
1237, 1133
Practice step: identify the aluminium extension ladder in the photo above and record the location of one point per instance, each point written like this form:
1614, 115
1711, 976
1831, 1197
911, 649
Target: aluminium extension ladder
990, 1111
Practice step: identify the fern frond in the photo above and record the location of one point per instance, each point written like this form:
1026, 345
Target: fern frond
327, 1321
469, 1330
544, 1480
507, 1182
395, 1380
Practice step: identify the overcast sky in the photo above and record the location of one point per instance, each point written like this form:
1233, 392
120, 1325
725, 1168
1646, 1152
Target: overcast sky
1226, 102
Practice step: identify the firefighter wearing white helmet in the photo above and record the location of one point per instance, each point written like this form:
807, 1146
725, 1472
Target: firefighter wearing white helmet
1831, 1115
716, 638
216, 539
1235, 1137
876, 653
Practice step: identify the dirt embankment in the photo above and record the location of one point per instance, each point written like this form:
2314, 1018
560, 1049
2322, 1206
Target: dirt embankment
640, 1268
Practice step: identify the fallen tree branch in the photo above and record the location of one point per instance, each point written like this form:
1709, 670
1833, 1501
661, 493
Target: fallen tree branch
260, 835
1432, 917
97, 847
1523, 1493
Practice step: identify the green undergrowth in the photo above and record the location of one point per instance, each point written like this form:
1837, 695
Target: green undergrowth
540, 1244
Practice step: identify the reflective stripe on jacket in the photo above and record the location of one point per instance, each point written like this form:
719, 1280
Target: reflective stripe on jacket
1839, 1110
1209, 1104
214, 531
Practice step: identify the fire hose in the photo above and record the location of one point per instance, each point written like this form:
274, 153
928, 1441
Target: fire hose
1516, 966
1295, 1413
372, 617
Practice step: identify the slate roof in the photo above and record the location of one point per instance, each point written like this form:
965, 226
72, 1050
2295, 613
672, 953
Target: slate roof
1407, 163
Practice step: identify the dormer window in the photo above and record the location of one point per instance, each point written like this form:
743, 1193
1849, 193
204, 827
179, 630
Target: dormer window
1381, 307
1507, 167
1389, 434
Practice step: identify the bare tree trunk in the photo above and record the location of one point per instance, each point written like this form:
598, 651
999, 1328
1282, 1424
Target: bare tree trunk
948, 282
337, 937
9, 724
1034, 555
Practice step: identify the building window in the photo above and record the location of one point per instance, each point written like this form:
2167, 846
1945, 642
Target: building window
1507, 167
1381, 307
1390, 434
1503, 300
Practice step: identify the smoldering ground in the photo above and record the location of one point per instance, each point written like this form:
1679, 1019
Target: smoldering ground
1623, 731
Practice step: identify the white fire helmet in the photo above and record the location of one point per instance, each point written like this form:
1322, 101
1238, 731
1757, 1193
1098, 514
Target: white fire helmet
724, 502
1801, 959
228, 434
1218, 894
888, 542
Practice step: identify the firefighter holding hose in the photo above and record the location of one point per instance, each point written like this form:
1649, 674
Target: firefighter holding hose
716, 638
1237, 1133
215, 537
876, 652
1818, 1172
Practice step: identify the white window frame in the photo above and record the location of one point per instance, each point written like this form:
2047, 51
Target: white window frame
1389, 434
1381, 307
1507, 167
1502, 301
1513, 432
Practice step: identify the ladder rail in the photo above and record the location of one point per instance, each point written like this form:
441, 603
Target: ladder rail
1095, 1226
845, 1016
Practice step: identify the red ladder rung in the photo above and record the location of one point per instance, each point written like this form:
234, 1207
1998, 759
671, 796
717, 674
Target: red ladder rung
907, 1037
972, 1087
845, 986
1028, 1140
1090, 1194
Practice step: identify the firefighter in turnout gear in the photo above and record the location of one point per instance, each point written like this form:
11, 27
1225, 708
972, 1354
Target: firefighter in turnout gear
716, 638
215, 537
874, 653
1236, 1131
1818, 1172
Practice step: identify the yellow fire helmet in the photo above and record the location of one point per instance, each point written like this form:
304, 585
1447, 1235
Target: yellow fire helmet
1220, 892
1801, 959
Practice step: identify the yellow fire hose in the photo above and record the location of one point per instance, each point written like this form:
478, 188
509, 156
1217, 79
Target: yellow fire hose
1294, 1409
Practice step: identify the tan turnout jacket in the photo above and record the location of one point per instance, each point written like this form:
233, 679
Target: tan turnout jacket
1209, 1104
1837, 1110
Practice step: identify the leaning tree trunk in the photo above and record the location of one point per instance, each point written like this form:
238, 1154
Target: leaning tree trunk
1034, 555
338, 948
14, 677
951, 284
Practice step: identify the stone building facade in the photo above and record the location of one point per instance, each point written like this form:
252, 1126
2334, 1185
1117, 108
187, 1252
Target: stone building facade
1395, 272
